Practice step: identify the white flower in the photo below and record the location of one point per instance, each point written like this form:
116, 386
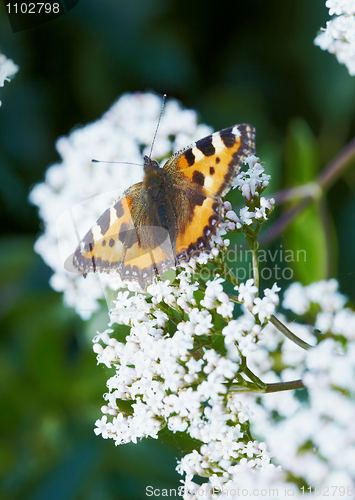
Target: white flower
338, 7
245, 216
200, 322
102, 427
247, 293
190, 464
251, 161
227, 306
176, 424
339, 35
194, 366
265, 207
232, 216
271, 294
214, 288
266, 307
296, 299
253, 181
241, 331
130, 310
344, 323
161, 290
216, 298
325, 293
7, 69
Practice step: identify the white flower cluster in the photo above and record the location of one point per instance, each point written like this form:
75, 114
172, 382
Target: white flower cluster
181, 363
171, 376
7, 69
264, 307
178, 380
251, 183
254, 179
227, 462
244, 332
332, 317
317, 442
76, 191
311, 438
339, 35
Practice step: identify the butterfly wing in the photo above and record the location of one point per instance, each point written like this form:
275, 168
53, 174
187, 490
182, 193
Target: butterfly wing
204, 173
214, 161
127, 239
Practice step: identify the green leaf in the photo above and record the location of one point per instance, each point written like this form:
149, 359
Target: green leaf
306, 238
302, 154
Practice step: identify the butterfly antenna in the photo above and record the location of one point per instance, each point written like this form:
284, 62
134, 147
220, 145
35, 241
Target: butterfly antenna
156, 130
125, 162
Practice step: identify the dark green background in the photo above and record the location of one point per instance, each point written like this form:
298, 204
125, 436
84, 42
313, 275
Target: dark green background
233, 61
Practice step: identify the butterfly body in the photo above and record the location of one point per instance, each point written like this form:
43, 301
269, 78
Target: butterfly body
172, 214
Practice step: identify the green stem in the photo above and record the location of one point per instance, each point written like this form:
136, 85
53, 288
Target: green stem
227, 274
261, 385
284, 386
278, 387
246, 387
252, 242
285, 331
337, 166
234, 298
281, 327
256, 267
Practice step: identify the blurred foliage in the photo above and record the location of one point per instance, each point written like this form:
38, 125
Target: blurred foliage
233, 62
307, 231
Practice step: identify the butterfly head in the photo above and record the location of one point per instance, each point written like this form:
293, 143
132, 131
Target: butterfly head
153, 178
150, 165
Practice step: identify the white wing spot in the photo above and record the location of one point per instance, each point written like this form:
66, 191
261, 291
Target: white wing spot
218, 143
198, 154
236, 131
113, 215
119, 246
96, 231
208, 182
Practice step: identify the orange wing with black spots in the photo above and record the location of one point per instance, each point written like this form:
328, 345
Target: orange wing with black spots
208, 166
127, 240
172, 215
213, 162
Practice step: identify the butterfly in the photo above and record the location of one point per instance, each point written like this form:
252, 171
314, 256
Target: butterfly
172, 215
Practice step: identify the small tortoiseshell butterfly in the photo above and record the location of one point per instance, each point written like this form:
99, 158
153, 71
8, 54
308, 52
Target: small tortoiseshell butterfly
172, 215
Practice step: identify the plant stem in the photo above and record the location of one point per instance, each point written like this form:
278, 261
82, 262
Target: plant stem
336, 166
285, 331
278, 387
228, 274
234, 298
284, 386
261, 385
310, 191
252, 242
